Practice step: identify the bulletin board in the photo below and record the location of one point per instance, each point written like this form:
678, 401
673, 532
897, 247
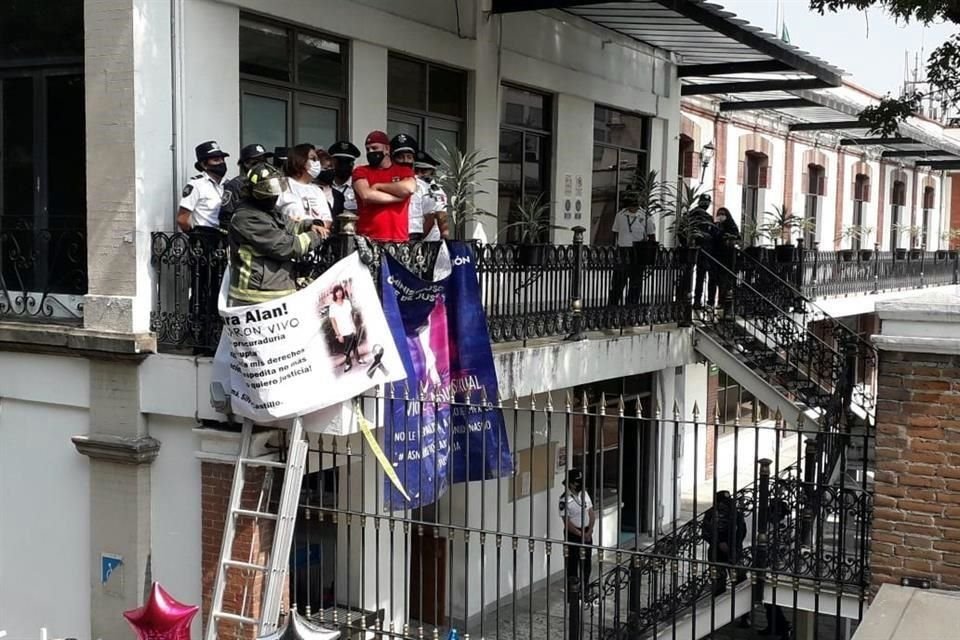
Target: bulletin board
535, 470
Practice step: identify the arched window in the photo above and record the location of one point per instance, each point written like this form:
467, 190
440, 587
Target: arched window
861, 196
929, 199
898, 200
814, 188
689, 159
756, 176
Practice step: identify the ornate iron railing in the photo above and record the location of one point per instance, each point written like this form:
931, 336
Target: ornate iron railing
556, 291
43, 273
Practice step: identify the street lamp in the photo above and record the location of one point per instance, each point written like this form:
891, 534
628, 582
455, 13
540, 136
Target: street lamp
706, 156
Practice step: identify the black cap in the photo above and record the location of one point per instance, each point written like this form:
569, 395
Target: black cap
210, 149
281, 153
254, 152
423, 160
574, 475
402, 143
344, 149
704, 199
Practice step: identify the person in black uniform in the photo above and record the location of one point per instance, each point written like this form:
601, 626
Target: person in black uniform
250, 155
324, 180
344, 154
724, 250
703, 235
724, 530
280, 157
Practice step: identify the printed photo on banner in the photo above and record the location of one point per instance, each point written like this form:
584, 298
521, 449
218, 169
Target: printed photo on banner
302, 352
343, 328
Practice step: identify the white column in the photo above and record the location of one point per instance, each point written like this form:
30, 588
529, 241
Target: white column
368, 91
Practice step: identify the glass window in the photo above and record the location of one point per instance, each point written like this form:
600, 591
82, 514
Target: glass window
447, 92
407, 83
524, 108
617, 160
264, 50
29, 30
427, 102
619, 128
293, 88
263, 120
316, 125
320, 64
16, 152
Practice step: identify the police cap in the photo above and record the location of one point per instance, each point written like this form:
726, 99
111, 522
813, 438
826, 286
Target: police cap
254, 152
210, 149
423, 160
402, 143
344, 149
281, 153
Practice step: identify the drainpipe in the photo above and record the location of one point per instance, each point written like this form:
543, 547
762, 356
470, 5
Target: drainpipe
176, 107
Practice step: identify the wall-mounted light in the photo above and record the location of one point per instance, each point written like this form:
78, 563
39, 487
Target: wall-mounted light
706, 157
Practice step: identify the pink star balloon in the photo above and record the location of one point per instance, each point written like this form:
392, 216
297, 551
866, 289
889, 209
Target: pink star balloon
161, 617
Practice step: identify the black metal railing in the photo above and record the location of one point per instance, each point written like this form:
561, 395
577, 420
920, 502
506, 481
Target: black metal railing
43, 273
490, 558
845, 272
555, 291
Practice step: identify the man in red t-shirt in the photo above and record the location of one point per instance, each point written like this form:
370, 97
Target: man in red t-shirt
383, 191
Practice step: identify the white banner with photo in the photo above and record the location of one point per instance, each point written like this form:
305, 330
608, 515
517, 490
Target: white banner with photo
308, 351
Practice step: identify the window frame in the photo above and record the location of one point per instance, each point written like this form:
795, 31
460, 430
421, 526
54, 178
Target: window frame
643, 158
424, 119
297, 93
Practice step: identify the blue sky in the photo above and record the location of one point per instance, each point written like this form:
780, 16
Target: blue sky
868, 45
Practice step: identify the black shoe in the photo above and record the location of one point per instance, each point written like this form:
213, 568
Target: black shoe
347, 367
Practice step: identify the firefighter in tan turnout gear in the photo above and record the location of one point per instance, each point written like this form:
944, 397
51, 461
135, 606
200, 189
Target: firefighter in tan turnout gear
265, 243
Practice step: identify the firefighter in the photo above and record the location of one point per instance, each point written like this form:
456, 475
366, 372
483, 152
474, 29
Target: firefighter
264, 244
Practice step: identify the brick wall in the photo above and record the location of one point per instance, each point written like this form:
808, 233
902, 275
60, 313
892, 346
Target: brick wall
916, 526
244, 590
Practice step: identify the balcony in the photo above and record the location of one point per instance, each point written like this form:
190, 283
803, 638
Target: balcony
551, 291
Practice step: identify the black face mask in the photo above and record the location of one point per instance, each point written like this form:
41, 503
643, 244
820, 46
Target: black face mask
326, 176
218, 170
344, 169
375, 158
265, 204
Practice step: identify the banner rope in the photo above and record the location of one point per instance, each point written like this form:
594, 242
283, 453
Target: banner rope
365, 428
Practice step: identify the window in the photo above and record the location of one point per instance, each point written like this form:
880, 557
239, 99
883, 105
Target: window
42, 204
736, 405
525, 148
929, 198
428, 102
861, 195
815, 188
755, 175
898, 200
689, 159
293, 85
620, 144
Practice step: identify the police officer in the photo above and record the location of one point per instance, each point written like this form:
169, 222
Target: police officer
264, 243
344, 154
579, 517
435, 209
203, 194
250, 155
404, 150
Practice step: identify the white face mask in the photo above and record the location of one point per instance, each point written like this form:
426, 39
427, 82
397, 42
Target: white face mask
314, 168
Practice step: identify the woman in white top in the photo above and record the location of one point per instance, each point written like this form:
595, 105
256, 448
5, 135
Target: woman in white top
304, 199
341, 317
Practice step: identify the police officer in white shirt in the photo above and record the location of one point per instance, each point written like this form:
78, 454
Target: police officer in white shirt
344, 154
435, 206
203, 194
631, 225
576, 511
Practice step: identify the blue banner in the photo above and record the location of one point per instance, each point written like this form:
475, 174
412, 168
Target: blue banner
441, 332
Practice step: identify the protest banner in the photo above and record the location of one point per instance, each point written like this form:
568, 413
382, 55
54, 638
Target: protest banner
308, 351
431, 437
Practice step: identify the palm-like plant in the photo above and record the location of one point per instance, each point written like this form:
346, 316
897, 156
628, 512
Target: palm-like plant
460, 177
688, 227
652, 195
781, 224
531, 218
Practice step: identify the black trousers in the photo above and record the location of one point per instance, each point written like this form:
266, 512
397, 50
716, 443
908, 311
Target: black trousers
729, 556
625, 275
578, 568
351, 345
776, 622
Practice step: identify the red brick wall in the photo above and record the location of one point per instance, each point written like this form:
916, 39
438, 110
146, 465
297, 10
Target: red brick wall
916, 527
955, 201
250, 545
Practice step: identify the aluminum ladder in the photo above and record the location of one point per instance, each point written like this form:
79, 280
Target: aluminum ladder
275, 570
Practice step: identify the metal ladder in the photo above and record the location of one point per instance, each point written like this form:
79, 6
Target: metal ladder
275, 571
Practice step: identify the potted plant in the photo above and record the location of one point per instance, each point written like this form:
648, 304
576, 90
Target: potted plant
691, 224
530, 218
650, 196
859, 233
459, 177
951, 237
752, 234
913, 232
780, 229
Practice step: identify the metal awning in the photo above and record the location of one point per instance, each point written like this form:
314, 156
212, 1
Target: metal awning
719, 53
816, 111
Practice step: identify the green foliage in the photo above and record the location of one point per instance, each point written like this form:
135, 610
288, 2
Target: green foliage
943, 64
859, 232
783, 224
688, 227
459, 176
531, 216
651, 194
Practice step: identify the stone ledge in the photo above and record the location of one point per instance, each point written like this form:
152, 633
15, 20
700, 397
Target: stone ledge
75, 341
911, 344
123, 450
